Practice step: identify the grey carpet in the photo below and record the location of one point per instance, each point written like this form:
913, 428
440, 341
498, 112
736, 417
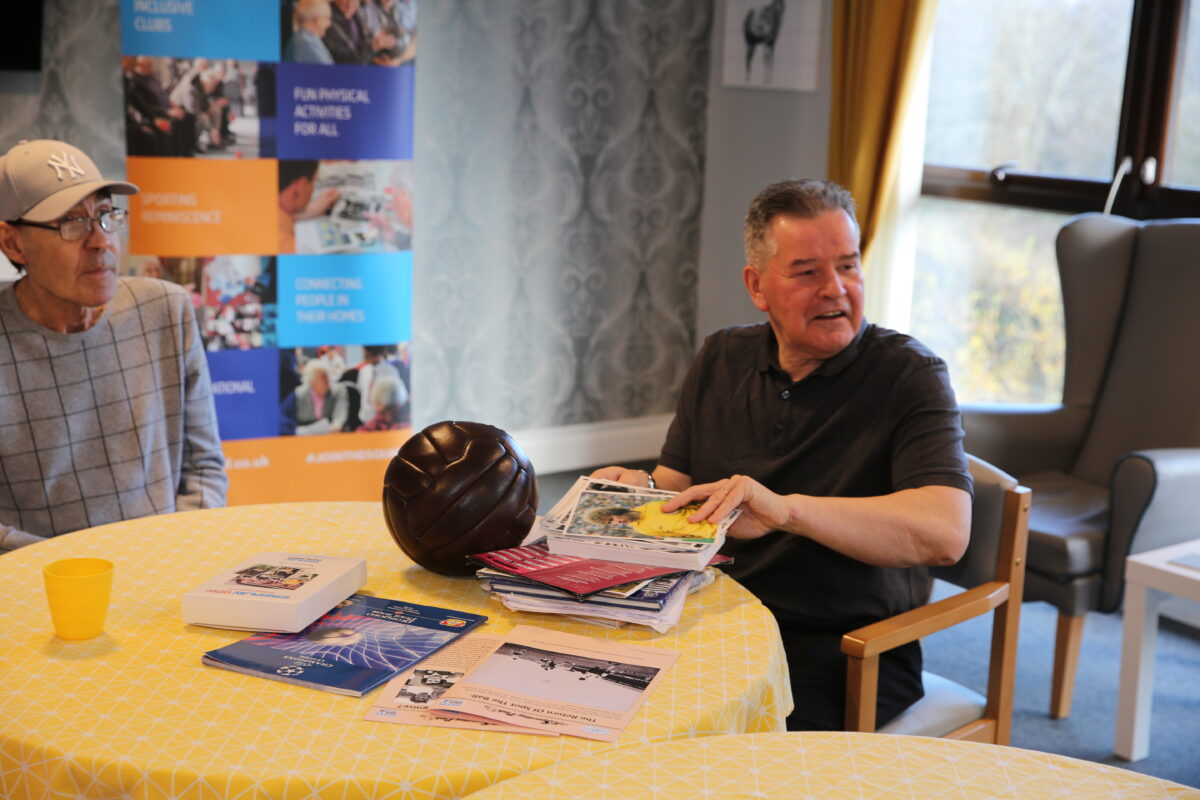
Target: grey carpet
1089, 732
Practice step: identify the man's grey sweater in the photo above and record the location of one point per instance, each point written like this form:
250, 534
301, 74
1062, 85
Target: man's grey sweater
113, 423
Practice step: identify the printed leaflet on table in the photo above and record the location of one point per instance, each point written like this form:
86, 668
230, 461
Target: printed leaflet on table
357, 646
407, 697
560, 682
281, 592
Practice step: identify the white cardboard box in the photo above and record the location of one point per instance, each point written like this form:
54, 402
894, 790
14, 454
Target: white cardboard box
274, 592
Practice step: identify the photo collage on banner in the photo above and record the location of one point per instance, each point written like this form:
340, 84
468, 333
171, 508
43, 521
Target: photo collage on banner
272, 141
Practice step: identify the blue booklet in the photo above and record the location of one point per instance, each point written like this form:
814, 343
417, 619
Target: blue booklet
358, 645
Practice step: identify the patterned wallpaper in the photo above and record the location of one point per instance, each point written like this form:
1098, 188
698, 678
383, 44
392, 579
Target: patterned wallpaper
560, 158
559, 168
77, 95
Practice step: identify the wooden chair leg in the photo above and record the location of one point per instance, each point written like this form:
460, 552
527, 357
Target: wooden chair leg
1068, 638
862, 688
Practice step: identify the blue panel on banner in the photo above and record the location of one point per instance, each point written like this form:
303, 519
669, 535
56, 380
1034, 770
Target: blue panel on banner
345, 111
363, 298
246, 391
242, 29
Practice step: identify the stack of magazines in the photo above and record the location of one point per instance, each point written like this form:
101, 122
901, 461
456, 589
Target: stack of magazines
618, 522
531, 578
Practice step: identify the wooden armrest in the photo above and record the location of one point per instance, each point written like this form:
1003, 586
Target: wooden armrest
887, 634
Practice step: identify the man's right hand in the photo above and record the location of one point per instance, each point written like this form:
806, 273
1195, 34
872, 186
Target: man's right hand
633, 477
664, 477
320, 203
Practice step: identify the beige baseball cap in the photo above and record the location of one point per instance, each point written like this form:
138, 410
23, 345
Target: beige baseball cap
43, 179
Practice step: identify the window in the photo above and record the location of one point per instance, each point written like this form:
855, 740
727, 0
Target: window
1033, 107
1182, 164
986, 299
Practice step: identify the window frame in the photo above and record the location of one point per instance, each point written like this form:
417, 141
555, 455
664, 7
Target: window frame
1143, 127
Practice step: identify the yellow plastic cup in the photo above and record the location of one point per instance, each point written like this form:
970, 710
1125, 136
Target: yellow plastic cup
78, 590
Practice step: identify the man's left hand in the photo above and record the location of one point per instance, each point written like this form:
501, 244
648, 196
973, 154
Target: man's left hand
762, 510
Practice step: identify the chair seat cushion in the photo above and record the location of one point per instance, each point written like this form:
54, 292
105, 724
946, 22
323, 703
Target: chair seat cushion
946, 706
1067, 525
1074, 597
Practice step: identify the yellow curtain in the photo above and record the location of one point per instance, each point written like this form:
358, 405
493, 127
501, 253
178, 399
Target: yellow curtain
877, 50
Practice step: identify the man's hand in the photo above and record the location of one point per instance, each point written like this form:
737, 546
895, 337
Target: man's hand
928, 525
320, 203
633, 477
664, 477
11, 538
762, 510
383, 41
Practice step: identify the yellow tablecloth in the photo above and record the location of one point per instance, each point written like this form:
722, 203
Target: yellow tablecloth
133, 714
829, 766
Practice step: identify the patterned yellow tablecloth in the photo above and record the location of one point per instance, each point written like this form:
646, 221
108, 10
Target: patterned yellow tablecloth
133, 714
829, 766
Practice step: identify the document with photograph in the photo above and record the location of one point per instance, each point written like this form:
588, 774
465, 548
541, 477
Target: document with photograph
280, 592
560, 513
406, 699
640, 517
561, 682
618, 522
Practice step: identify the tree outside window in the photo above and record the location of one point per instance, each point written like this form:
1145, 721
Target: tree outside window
1033, 105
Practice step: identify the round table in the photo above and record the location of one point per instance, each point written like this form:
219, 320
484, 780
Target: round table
829, 766
133, 713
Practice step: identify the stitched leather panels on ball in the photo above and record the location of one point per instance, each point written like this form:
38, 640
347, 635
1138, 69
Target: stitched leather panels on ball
458, 488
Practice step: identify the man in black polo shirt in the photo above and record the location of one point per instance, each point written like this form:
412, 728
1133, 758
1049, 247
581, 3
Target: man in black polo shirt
839, 440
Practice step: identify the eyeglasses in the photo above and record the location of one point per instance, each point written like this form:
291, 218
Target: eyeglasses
72, 230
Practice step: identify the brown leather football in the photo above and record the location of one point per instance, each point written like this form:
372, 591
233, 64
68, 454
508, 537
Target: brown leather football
458, 488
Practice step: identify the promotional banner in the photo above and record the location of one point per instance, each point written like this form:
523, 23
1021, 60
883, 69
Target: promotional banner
344, 113
272, 142
188, 206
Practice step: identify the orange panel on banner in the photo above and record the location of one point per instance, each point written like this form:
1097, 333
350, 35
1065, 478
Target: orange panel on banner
340, 466
191, 206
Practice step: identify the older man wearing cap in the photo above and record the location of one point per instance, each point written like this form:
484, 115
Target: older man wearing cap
106, 409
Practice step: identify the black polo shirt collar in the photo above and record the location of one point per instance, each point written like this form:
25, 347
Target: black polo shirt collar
768, 355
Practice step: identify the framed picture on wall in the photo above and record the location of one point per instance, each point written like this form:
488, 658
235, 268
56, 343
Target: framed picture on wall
772, 44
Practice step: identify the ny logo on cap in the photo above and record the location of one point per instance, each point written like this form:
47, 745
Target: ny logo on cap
65, 161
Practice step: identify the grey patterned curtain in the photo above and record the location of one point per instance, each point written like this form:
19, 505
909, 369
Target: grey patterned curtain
559, 161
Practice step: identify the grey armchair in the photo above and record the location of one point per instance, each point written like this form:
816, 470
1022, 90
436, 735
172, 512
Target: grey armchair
1114, 468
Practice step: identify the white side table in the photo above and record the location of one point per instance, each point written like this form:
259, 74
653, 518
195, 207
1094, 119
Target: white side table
1150, 578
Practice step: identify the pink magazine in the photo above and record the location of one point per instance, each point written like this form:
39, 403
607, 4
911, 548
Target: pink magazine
581, 577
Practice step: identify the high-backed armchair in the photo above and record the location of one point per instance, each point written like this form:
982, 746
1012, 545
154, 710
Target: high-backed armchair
1115, 467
